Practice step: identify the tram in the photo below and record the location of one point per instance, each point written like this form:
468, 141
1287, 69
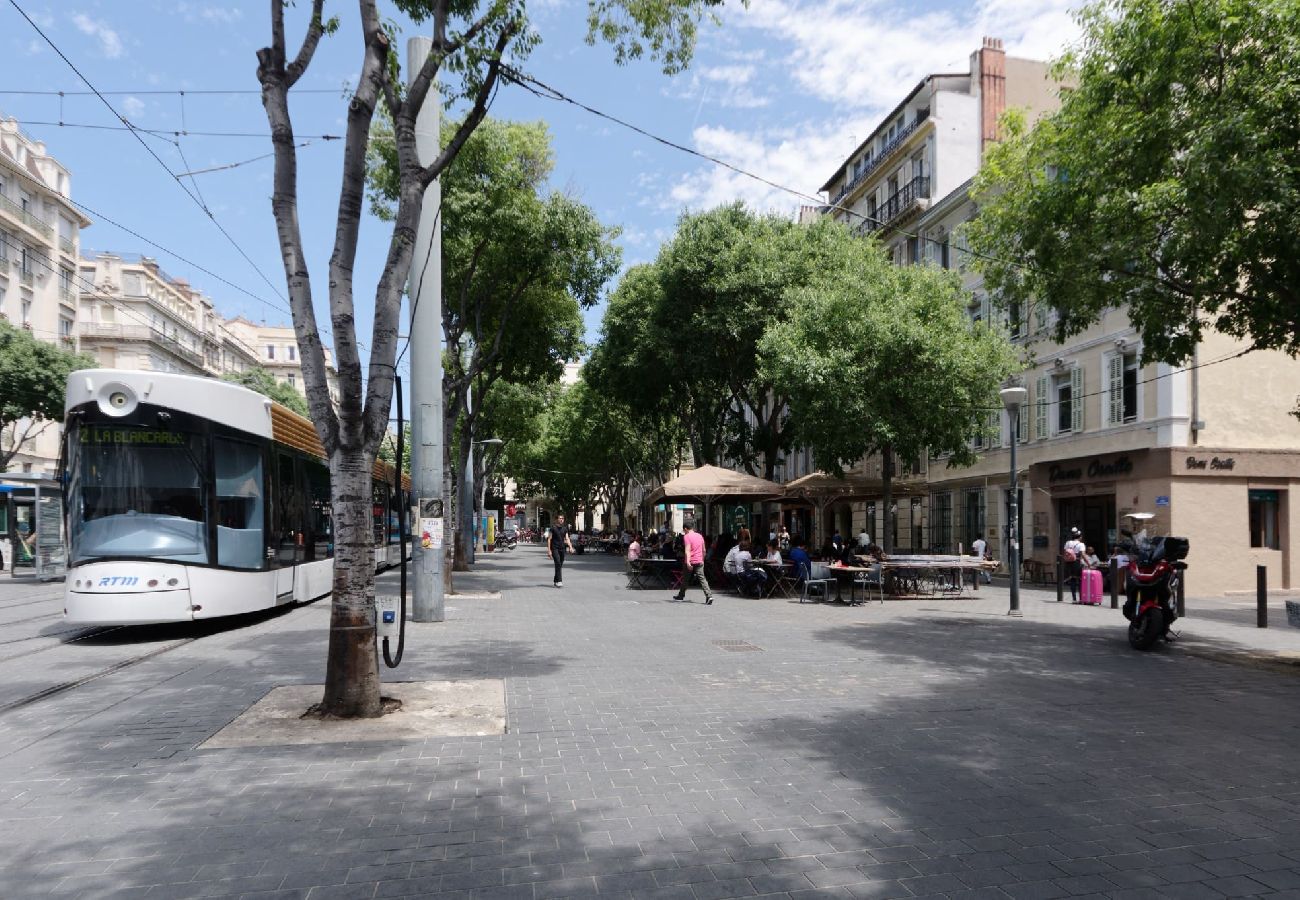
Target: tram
191, 498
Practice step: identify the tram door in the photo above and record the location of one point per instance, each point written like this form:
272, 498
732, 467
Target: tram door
289, 535
22, 533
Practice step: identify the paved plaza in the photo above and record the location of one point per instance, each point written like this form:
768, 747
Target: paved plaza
657, 749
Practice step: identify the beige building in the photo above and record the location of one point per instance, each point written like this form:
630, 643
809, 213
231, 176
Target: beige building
1209, 448
276, 347
39, 242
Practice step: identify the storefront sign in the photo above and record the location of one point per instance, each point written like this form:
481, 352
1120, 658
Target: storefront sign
1121, 465
1226, 463
1162, 500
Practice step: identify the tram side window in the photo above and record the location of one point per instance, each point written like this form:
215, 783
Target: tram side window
289, 512
320, 532
240, 509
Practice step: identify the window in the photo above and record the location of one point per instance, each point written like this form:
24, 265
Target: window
65, 281
1122, 388
1264, 518
290, 512
240, 510
270, 351
1015, 319
1064, 403
941, 521
27, 313
2, 301
132, 285
1040, 408
292, 351
4, 247
293, 380
65, 328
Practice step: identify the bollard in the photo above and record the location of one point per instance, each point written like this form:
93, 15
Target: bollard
1261, 596
1114, 583
1182, 594
1060, 582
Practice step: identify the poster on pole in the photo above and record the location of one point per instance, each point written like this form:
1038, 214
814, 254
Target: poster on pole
431, 533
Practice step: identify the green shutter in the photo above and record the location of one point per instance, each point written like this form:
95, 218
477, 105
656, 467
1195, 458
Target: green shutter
1115, 389
1076, 399
1040, 408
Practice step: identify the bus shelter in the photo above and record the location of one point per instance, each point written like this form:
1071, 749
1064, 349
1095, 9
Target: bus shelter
31, 526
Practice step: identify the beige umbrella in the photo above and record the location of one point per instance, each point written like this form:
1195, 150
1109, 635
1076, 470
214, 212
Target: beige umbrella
709, 484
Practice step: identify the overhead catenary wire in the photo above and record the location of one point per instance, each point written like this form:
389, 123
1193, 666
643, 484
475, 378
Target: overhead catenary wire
148, 149
173, 132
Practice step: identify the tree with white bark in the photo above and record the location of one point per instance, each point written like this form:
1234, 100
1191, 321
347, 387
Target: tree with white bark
472, 40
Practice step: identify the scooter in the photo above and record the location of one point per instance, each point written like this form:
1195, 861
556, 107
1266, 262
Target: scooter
506, 541
1155, 569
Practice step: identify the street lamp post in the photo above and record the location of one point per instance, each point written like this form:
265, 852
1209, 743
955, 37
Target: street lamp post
1013, 398
469, 523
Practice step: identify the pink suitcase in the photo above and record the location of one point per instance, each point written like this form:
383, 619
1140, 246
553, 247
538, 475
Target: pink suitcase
1090, 587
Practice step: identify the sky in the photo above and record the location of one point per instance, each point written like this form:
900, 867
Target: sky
783, 88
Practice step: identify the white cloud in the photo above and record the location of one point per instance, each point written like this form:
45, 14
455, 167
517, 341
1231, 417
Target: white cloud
133, 107
798, 157
110, 44
724, 85
868, 55
863, 56
212, 15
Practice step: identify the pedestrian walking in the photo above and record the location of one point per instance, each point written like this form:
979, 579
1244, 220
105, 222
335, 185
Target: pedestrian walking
693, 563
557, 544
1072, 557
977, 548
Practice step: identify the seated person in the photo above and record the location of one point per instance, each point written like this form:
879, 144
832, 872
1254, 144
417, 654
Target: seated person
1090, 560
774, 551
800, 559
750, 579
634, 548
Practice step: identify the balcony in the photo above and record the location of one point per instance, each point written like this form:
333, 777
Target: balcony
903, 200
26, 277
66, 245
875, 161
93, 331
68, 297
22, 215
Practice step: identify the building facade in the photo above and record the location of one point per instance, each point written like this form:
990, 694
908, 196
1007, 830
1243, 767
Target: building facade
276, 347
40, 237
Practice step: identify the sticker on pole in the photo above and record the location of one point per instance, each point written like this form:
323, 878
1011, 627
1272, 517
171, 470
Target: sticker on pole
431, 534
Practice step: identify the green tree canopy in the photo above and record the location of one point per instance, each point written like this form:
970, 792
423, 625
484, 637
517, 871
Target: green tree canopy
878, 358
1166, 181
260, 380
34, 375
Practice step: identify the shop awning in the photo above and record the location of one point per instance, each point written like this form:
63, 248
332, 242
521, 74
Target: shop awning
709, 484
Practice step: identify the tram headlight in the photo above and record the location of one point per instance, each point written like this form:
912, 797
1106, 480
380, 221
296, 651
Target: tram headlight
117, 399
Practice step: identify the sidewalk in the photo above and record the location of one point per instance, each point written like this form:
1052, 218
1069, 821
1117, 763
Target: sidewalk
659, 749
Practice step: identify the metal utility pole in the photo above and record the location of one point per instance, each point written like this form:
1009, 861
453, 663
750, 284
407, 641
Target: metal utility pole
424, 294
1013, 398
467, 512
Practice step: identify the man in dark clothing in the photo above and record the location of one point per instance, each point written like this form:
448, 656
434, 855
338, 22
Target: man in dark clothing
557, 544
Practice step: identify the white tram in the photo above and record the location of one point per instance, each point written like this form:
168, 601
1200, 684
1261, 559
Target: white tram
191, 498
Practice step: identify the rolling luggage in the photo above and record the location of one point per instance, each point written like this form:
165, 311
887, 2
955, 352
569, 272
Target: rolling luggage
1090, 587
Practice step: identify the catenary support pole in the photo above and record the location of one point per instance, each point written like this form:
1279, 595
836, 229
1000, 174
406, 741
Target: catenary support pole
468, 517
1114, 583
1261, 596
424, 292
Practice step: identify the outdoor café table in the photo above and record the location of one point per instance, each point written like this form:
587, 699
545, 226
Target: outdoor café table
849, 574
661, 571
929, 574
774, 581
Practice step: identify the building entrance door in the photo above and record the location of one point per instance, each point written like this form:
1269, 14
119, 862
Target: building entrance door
1093, 515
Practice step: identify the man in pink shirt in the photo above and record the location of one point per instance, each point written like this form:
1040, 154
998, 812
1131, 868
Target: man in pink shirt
693, 563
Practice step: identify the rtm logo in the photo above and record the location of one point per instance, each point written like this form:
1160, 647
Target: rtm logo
118, 581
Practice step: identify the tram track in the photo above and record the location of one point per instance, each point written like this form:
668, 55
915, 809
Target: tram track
64, 687
94, 632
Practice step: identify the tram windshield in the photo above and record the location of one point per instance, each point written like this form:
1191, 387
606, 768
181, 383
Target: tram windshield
135, 492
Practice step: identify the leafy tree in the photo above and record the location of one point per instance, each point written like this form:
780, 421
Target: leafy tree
691, 323
472, 39
35, 378
388, 448
519, 264
1166, 181
260, 380
878, 358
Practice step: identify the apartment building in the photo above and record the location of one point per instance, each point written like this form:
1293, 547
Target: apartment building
1208, 448
40, 234
276, 347
933, 142
134, 315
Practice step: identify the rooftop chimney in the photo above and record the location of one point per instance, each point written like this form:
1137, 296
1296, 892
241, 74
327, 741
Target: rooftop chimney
993, 90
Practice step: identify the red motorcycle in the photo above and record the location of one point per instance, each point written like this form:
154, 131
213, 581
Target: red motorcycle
1155, 569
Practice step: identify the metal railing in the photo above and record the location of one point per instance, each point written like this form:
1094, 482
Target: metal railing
26, 277
898, 203
68, 296
97, 330
25, 217
66, 245
875, 161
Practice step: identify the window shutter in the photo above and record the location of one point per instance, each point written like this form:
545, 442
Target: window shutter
1115, 389
1040, 408
1076, 399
